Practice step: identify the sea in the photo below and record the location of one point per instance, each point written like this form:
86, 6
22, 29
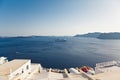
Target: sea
74, 52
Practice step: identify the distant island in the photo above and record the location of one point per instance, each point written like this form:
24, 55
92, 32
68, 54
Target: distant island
92, 35
98, 35
111, 35
114, 35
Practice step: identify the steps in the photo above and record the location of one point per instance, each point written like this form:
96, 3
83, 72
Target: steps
55, 76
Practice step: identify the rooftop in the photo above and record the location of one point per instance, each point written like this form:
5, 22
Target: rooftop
11, 66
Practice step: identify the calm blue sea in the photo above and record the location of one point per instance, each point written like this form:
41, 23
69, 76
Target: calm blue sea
75, 52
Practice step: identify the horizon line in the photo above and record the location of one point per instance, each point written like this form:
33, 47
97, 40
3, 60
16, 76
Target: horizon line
54, 35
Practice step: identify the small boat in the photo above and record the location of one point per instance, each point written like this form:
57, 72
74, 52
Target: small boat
60, 40
17, 52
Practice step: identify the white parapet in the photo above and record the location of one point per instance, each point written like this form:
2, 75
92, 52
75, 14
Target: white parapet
100, 66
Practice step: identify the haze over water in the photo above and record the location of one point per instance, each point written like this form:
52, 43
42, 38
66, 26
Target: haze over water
75, 52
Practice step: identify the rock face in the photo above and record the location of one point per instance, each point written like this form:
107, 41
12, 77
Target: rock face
115, 35
92, 35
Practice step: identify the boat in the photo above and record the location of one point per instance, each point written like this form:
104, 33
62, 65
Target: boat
60, 40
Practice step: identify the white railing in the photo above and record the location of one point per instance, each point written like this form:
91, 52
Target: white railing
105, 64
100, 66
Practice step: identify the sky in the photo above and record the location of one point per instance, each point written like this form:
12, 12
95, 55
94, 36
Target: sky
58, 17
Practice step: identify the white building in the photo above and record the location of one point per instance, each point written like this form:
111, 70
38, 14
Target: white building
3, 60
17, 69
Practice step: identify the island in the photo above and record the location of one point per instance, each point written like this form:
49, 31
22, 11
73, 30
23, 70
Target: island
92, 35
98, 35
114, 35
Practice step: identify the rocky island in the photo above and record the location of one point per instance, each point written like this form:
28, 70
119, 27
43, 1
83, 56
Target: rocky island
114, 35
111, 35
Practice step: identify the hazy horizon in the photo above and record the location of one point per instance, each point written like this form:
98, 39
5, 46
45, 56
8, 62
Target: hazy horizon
58, 17
57, 35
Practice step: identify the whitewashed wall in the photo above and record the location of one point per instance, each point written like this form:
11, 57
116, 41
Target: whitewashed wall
19, 71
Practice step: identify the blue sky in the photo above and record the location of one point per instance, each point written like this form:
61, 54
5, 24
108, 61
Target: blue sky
58, 17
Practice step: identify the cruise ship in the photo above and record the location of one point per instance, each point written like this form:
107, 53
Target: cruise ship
23, 69
60, 40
